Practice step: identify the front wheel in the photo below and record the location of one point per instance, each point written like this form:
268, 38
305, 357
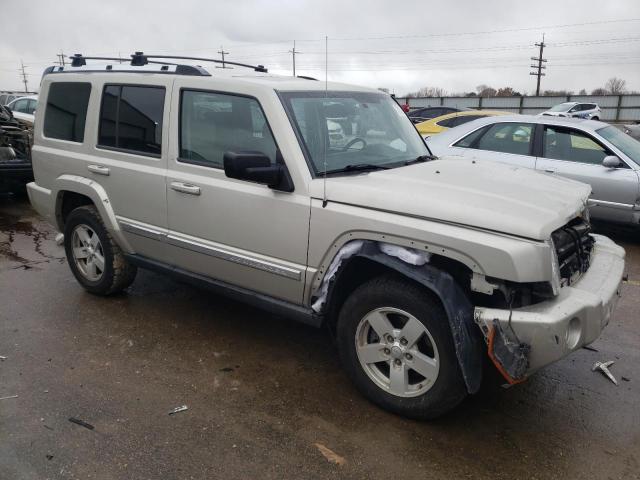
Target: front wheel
396, 346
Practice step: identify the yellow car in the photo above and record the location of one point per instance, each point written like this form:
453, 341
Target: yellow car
445, 122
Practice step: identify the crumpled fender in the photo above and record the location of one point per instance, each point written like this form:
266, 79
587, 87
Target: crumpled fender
466, 335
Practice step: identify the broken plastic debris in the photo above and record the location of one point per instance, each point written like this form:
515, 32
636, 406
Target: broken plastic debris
6, 398
82, 423
2, 357
411, 256
590, 348
511, 358
604, 368
330, 455
181, 408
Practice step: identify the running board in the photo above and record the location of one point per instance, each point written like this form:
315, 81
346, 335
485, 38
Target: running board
259, 300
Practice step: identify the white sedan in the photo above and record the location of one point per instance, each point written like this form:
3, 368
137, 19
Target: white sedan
584, 150
24, 108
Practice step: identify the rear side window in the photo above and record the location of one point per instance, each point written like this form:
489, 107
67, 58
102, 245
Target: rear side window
131, 118
66, 111
459, 120
508, 138
214, 123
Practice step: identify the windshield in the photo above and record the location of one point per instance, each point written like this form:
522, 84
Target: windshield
623, 142
351, 129
563, 107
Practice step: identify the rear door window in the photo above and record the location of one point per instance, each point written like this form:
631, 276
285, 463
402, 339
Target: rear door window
131, 118
66, 111
512, 138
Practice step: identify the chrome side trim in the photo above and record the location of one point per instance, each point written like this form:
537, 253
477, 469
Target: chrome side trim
252, 262
604, 203
142, 231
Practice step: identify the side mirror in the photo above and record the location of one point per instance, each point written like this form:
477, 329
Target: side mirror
257, 167
8, 107
611, 161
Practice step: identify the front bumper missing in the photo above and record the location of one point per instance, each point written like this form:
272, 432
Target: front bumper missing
576, 317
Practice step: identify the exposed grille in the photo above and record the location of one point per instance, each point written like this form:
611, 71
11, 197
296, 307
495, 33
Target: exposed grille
573, 244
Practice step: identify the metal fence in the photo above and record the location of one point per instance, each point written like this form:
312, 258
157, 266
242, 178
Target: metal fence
615, 108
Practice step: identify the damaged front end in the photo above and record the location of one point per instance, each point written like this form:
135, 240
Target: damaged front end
16, 139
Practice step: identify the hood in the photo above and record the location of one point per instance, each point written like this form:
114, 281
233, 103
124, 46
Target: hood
485, 195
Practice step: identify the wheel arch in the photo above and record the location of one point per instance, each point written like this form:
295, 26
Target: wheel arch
72, 191
435, 278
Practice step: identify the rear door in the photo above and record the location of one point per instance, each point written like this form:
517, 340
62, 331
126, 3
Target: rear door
575, 154
506, 142
235, 231
129, 158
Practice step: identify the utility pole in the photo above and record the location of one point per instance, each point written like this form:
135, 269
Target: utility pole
24, 77
293, 55
222, 53
61, 59
540, 67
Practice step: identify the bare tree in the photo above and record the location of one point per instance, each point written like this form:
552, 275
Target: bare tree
615, 86
557, 93
582, 92
599, 91
486, 91
428, 92
507, 92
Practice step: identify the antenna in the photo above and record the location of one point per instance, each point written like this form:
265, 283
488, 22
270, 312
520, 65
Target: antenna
326, 94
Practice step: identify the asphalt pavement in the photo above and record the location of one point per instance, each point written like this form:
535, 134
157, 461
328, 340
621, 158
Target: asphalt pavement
266, 398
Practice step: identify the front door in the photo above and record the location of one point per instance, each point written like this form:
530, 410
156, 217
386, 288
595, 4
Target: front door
575, 154
239, 232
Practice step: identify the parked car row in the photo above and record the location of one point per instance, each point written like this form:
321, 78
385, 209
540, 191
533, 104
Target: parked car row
322, 203
8, 97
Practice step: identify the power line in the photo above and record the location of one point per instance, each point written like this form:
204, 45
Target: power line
540, 67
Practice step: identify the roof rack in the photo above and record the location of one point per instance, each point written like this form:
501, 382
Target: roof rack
139, 59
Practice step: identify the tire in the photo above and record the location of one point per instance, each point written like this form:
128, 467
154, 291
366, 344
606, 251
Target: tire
85, 232
408, 308
595, 118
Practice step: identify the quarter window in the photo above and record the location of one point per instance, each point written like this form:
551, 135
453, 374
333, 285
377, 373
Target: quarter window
572, 145
512, 138
66, 111
214, 123
131, 118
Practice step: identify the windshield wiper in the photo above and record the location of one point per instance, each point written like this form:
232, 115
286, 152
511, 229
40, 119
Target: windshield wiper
420, 159
359, 167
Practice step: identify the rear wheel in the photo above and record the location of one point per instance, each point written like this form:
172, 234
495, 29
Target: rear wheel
93, 256
396, 345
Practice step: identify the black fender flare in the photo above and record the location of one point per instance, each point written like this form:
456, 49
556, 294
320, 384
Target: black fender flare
466, 335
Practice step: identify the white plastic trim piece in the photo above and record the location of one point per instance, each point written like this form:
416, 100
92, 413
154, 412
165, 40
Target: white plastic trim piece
348, 250
407, 255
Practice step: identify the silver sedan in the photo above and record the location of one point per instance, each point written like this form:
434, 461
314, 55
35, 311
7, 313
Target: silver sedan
584, 150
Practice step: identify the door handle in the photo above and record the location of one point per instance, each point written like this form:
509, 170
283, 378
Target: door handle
549, 171
99, 169
185, 188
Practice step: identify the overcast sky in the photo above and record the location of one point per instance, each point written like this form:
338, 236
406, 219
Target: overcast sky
402, 45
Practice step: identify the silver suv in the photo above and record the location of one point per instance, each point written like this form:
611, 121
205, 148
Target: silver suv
421, 268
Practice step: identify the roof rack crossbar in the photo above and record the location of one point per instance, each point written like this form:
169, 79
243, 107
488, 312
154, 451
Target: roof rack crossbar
257, 68
78, 60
